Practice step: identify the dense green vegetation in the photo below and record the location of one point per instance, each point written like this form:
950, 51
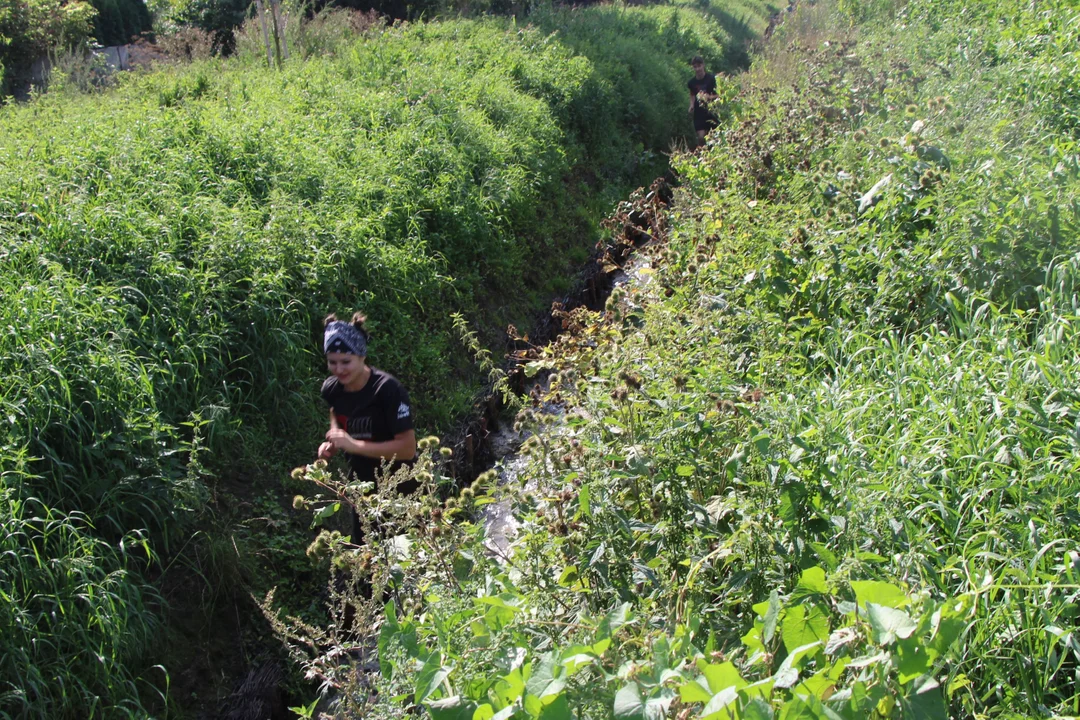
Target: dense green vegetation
31, 28
821, 459
118, 21
170, 245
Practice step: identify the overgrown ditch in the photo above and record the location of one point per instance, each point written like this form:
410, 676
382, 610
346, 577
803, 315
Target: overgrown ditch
486, 439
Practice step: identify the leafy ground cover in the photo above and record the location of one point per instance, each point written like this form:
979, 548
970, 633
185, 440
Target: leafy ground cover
821, 460
169, 247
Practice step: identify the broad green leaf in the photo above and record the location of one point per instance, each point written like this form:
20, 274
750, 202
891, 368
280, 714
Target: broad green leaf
684, 470
324, 512
628, 703
752, 641
882, 593
771, 617
581, 657
888, 624
813, 580
614, 620
695, 691
430, 677
818, 684
533, 705
504, 600
661, 654
912, 659
544, 681
756, 709
484, 712
946, 624
761, 689
803, 625
788, 674
569, 576
925, 702
721, 705
583, 501
721, 676
509, 687
657, 705
452, 708
808, 708
558, 709
532, 368
824, 554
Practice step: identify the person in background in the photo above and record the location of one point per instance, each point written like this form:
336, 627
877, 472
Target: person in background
371, 420
702, 87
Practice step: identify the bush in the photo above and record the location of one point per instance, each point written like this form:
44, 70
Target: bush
820, 458
31, 28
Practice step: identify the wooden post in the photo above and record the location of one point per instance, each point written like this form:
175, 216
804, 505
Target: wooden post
279, 35
282, 22
266, 34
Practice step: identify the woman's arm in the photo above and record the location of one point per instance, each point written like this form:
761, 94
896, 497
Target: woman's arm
402, 447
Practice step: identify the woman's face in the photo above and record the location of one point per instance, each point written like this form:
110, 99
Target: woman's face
346, 367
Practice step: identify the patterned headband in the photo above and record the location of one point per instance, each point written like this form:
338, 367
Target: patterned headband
345, 338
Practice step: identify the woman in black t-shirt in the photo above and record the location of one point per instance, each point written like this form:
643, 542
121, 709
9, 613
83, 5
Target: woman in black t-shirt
370, 416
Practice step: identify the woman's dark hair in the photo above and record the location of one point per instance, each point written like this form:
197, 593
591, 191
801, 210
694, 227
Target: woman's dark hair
358, 320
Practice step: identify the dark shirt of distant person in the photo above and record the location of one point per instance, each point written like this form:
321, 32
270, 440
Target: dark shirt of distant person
702, 87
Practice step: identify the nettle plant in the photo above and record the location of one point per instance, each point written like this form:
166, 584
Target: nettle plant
427, 615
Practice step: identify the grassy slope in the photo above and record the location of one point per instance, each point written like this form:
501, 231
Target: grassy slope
170, 246
824, 461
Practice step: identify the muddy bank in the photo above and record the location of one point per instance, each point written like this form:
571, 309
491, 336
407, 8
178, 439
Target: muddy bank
482, 439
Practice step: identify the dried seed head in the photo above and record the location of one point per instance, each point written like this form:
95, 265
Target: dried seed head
884, 142
446, 452
298, 472
320, 463
911, 110
298, 502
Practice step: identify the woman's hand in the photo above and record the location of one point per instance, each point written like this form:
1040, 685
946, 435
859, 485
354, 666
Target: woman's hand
340, 440
336, 439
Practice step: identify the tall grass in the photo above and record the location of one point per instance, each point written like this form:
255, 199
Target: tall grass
170, 245
821, 459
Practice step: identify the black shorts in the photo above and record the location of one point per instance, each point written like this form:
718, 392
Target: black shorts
704, 120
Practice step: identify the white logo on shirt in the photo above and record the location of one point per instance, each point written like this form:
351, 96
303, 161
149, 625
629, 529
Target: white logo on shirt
402, 411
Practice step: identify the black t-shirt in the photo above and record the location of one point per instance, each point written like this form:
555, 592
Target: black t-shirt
706, 85
377, 412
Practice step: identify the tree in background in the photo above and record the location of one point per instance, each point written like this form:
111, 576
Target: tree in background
118, 21
29, 29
